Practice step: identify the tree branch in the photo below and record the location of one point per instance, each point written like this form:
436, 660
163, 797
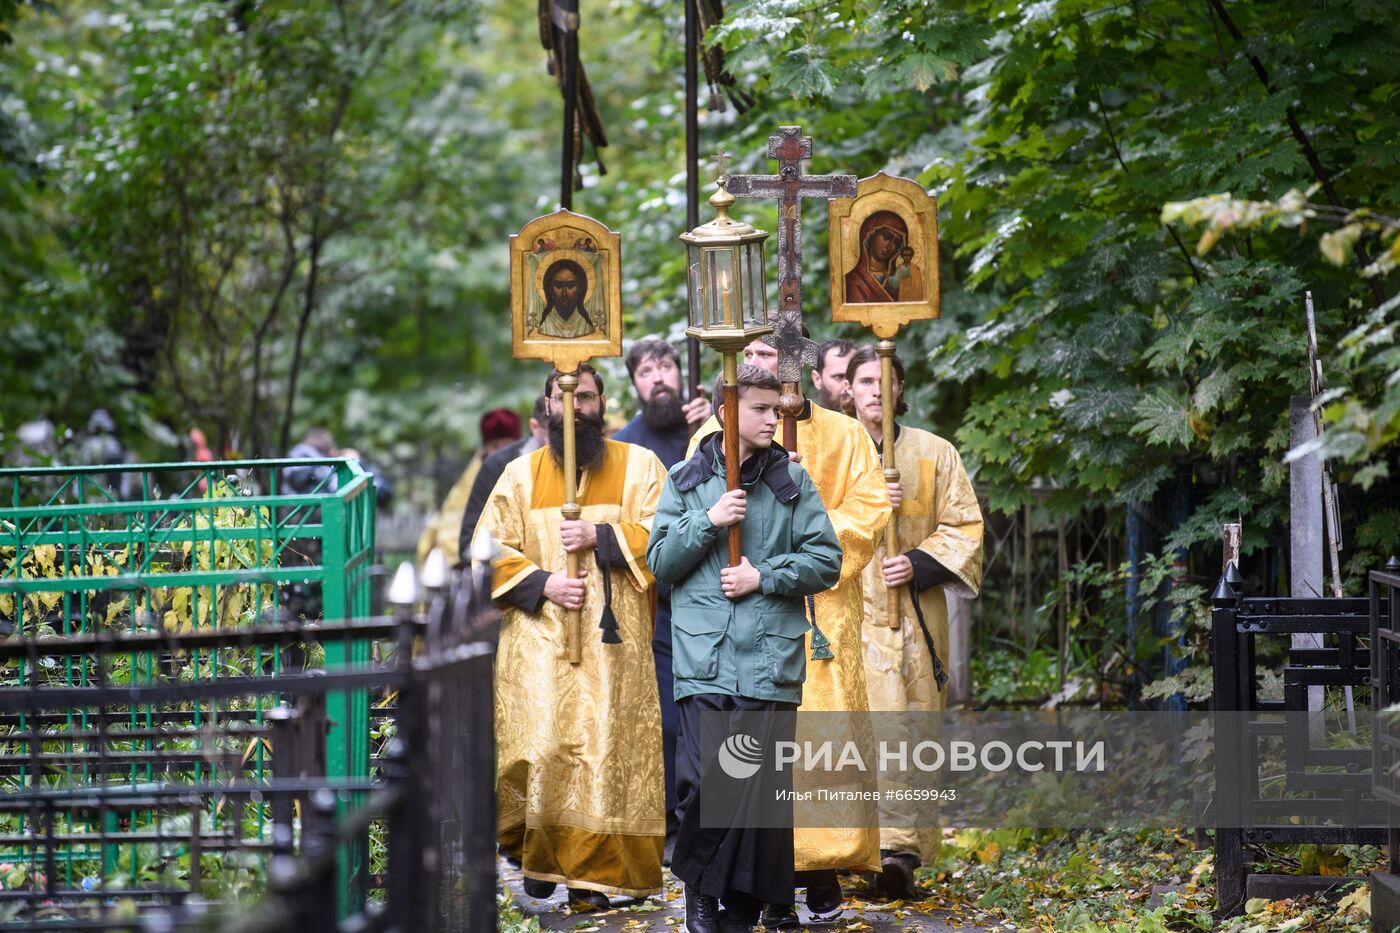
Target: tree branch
1296, 128
273, 311
1118, 154
308, 306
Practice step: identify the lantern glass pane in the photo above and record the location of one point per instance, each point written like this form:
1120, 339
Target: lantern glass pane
755, 294
724, 307
695, 284
711, 287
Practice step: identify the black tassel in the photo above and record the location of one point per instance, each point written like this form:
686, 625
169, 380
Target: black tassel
940, 674
607, 621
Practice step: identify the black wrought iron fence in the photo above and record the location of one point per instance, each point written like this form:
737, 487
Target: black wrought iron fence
206, 803
1286, 772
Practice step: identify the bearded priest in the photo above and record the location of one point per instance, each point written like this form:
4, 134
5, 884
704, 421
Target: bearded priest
579, 781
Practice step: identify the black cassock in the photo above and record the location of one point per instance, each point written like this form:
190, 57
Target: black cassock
719, 849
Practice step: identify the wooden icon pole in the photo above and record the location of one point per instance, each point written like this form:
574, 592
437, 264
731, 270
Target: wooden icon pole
885, 349
573, 621
692, 169
731, 446
916, 210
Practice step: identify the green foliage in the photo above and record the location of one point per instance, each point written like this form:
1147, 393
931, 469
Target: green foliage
1362, 415
244, 208
1106, 355
509, 919
1005, 676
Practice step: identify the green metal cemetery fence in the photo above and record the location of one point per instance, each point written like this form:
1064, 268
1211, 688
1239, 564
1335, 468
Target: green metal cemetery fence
204, 547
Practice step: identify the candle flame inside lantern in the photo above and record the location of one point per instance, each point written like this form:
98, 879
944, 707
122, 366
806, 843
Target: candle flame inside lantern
724, 296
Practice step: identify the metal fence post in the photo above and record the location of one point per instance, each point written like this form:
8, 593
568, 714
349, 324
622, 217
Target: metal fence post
319, 849
1229, 699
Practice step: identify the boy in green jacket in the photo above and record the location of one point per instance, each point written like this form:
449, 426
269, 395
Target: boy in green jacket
737, 638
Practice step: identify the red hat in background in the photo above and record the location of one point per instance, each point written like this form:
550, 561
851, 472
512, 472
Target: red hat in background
500, 424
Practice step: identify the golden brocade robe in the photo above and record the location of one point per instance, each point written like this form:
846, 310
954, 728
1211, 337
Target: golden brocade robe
939, 515
580, 796
840, 457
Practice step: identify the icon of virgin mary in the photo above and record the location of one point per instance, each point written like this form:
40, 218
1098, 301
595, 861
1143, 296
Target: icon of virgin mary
885, 270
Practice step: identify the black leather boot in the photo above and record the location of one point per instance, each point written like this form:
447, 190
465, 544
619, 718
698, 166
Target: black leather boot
701, 912
538, 889
583, 899
780, 917
824, 895
896, 879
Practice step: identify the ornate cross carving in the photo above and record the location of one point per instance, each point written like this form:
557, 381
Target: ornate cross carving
789, 147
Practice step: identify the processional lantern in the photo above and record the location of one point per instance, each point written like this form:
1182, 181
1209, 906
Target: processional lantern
728, 300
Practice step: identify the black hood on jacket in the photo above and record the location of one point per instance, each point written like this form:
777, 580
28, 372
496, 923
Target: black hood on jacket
770, 465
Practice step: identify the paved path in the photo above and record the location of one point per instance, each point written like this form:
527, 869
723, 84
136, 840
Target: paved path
666, 912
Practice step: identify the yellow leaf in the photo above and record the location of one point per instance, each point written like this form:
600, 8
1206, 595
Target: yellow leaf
1336, 244
1332, 864
253, 746
1358, 900
1255, 905
45, 556
233, 608
1208, 240
989, 854
116, 607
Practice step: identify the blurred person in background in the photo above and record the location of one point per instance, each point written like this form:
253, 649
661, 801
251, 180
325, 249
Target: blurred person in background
499, 427
663, 424
492, 468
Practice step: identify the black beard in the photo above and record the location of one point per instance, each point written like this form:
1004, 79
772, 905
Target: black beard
664, 412
588, 439
831, 402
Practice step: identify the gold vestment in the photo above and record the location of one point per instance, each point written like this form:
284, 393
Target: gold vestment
580, 797
444, 529
940, 516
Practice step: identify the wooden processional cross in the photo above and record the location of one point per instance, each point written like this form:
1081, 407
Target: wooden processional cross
788, 188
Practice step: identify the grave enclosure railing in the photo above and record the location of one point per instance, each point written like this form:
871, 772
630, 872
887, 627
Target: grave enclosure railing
1385, 742
1289, 771
194, 735
159, 851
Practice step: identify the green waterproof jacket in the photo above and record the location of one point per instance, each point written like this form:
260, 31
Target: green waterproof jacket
753, 646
